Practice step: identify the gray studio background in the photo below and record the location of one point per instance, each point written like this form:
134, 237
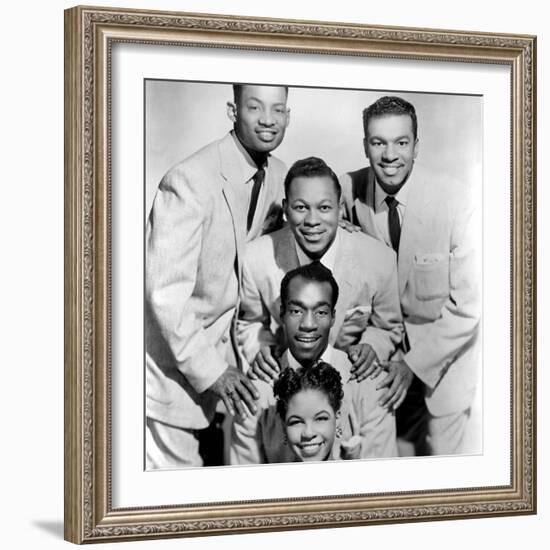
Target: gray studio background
182, 117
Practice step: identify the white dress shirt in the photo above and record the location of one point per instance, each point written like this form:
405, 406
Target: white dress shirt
328, 259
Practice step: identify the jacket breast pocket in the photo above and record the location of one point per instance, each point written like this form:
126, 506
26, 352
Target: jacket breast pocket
431, 276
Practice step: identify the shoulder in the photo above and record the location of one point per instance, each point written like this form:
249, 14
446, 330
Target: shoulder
277, 165
354, 183
363, 249
192, 171
340, 361
266, 246
445, 192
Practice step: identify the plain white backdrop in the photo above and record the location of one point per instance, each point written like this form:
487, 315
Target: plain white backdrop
31, 464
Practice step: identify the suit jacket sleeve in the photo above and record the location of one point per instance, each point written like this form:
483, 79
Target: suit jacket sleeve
173, 244
385, 328
253, 326
435, 345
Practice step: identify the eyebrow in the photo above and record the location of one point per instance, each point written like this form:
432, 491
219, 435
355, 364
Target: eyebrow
303, 306
254, 98
382, 139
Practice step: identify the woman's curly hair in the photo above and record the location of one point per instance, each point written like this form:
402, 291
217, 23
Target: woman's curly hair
322, 377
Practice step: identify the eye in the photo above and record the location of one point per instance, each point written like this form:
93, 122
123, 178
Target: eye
326, 208
403, 143
295, 311
299, 207
323, 418
280, 110
294, 422
322, 312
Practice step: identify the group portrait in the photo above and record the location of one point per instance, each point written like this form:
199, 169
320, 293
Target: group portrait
313, 281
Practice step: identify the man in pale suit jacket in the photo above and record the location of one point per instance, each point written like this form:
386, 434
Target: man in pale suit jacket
309, 300
432, 224
206, 209
368, 320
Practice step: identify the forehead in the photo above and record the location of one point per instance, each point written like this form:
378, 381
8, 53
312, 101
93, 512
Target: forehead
309, 293
308, 403
392, 125
265, 94
312, 188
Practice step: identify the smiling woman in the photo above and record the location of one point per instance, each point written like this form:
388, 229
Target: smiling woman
309, 402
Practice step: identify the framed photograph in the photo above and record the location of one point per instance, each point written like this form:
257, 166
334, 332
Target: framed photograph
173, 272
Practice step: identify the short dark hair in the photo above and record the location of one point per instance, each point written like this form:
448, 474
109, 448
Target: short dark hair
322, 377
314, 271
311, 167
238, 88
390, 105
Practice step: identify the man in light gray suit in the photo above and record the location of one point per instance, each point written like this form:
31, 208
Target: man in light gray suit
432, 225
205, 210
367, 319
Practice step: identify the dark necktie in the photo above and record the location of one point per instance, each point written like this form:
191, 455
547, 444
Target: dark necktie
393, 222
258, 180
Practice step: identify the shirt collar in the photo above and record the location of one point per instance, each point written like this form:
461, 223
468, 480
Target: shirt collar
329, 257
294, 364
251, 167
401, 196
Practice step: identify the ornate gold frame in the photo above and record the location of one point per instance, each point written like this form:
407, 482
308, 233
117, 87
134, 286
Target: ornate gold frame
89, 34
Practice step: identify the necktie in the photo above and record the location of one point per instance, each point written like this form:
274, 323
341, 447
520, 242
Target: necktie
393, 222
258, 180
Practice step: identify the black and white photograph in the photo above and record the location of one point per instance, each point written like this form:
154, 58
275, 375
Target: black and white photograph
312, 278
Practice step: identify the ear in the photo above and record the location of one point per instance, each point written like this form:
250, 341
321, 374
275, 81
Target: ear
341, 210
287, 118
415, 150
333, 312
365, 146
285, 208
232, 111
338, 414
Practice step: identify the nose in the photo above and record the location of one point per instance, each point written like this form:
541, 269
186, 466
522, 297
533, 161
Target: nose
266, 118
389, 154
312, 217
308, 321
307, 432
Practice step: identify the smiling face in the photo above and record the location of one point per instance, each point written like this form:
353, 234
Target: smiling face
310, 425
391, 148
313, 211
260, 117
307, 318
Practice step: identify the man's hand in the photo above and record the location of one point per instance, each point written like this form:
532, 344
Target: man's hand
364, 362
348, 226
236, 391
265, 366
398, 380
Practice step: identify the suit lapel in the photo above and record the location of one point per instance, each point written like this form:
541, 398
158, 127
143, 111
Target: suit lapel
344, 274
235, 172
365, 207
411, 230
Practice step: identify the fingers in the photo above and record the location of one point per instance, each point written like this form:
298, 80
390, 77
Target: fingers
400, 400
251, 374
394, 393
265, 366
386, 381
243, 396
228, 402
